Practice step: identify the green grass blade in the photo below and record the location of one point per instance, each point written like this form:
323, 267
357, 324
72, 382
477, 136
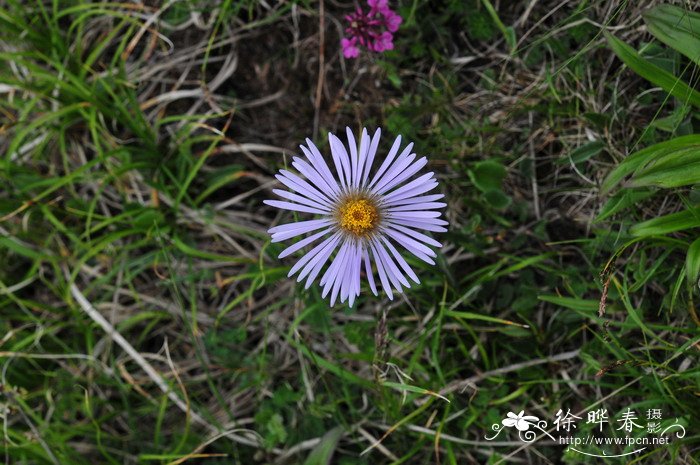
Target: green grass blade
323, 452
652, 73
674, 222
692, 262
656, 152
677, 28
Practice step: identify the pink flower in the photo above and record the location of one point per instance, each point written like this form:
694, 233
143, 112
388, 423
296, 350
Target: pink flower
373, 30
350, 50
393, 21
379, 5
384, 42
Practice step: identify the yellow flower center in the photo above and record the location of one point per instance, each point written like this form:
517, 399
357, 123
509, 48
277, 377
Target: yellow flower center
358, 216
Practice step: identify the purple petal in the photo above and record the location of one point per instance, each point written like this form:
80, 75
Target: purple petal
395, 276
317, 161
293, 207
351, 268
370, 155
329, 277
350, 50
381, 172
303, 243
352, 145
387, 161
415, 234
302, 187
302, 200
418, 253
297, 224
341, 160
340, 276
421, 224
417, 215
407, 173
308, 256
423, 198
314, 266
405, 189
393, 21
401, 261
369, 273
408, 221
315, 177
382, 274
322, 259
413, 246
358, 271
362, 157
289, 230
416, 190
418, 207
393, 172
356, 266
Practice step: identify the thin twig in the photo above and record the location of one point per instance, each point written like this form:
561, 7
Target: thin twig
461, 384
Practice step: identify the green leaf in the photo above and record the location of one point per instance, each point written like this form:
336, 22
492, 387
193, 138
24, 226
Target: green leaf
664, 152
415, 389
653, 73
147, 218
221, 177
508, 32
479, 316
674, 122
677, 28
671, 176
680, 221
21, 249
692, 262
183, 247
497, 199
323, 452
573, 303
585, 152
620, 201
275, 431
488, 175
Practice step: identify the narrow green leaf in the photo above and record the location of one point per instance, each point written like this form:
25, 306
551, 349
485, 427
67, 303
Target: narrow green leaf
21, 249
676, 27
584, 152
656, 152
479, 316
416, 389
692, 262
680, 221
674, 176
323, 452
653, 73
622, 200
177, 242
508, 32
582, 305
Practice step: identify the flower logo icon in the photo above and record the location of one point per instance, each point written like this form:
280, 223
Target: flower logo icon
521, 421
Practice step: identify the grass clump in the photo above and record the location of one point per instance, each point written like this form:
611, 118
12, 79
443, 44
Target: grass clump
146, 318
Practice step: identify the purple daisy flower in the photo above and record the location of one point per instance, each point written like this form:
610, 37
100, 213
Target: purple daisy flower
360, 216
